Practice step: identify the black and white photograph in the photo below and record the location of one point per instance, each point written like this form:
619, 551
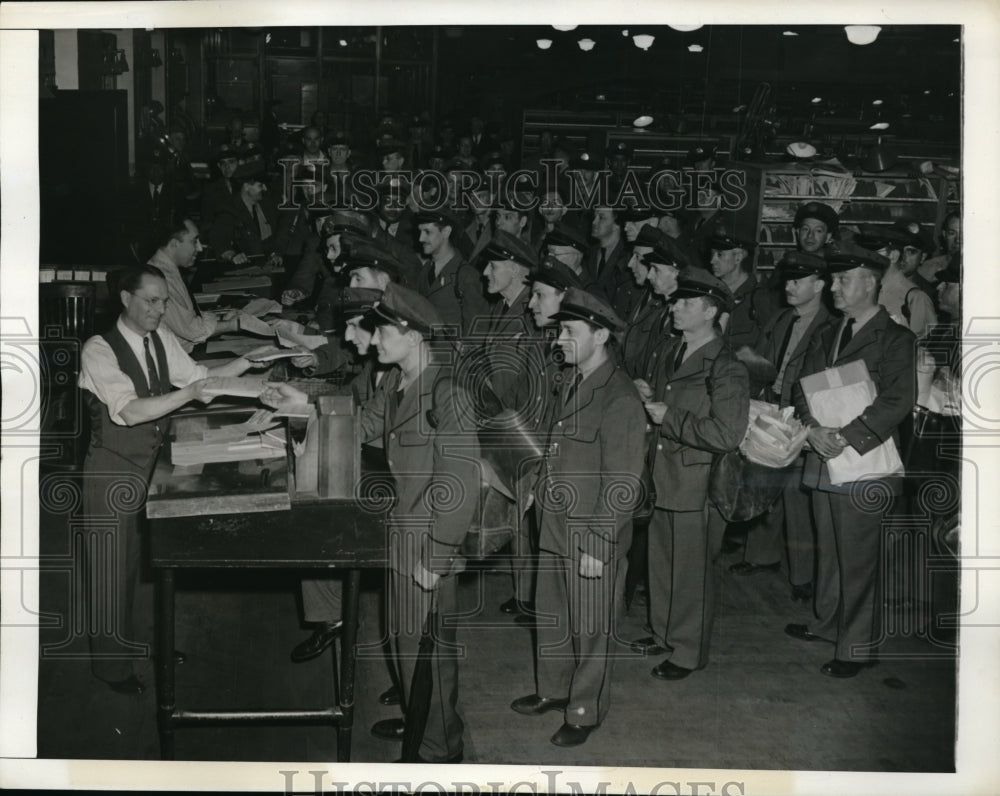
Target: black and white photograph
420, 397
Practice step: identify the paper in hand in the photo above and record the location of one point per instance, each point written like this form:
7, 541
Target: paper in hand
248, 323
287, 337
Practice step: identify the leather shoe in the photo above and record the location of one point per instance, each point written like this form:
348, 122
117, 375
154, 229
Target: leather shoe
647, 645
572, 734
390, 696
130, 686
746, 568
389, 729
514, 606
321, 638
534, 705
801, 632
670, 671
803, 592
179, 657
451, 761
843, 669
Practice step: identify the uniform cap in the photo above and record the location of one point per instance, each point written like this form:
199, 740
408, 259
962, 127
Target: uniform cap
554, 272
694, 282
363, 254
354, 301
564, 234
846, 255
796, 264
504, 246
407, 308
580, 305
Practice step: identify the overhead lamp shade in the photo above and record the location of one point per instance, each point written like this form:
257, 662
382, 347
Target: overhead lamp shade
643, 40
876, 102
879, 158
586, 44
800, 150
564, 28
625, 33
543, 44
695, 48
642, 121
880, 126
862, 34
789, 33
817, 100
685, 28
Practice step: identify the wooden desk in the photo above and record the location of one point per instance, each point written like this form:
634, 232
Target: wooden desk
196, 523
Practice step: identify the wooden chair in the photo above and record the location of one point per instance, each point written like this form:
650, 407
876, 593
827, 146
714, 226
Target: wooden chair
66, 313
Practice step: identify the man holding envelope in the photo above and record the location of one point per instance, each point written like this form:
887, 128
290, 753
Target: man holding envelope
860, 389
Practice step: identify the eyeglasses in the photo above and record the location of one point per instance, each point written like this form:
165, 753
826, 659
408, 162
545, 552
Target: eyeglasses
152, 302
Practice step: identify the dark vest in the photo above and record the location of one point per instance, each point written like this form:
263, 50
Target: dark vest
140, 443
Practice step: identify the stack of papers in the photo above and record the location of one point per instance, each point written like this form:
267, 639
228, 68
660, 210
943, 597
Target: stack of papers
270, 444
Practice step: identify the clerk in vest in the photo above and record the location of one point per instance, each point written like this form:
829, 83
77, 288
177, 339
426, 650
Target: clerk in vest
778, 358
849, 516
128, 376
183, 316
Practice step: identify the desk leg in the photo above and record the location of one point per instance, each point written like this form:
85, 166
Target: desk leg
166, 699
348, 641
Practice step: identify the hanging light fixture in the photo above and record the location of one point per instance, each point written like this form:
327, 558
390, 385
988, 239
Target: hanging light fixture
789, 33
643, 41
586, 44
543, 44
625, 33
685, 28
880, 126
862, 34
695, 48
817, 100
564, 28
642, 121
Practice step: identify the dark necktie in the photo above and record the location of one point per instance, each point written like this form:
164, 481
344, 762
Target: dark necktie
571, 390
846, 335
679, 356
263, 225
194, 303
155, 388
603, 261
784, 343
430, 272
479, 233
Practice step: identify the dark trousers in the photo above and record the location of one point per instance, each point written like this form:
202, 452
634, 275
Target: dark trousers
117, 601
578, 635
409, 605
848, 552
683, 547
792, 513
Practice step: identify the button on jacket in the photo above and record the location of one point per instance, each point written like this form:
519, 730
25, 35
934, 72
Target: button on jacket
594, 460
708, 400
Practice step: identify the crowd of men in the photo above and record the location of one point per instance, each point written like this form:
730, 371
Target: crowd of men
626, 339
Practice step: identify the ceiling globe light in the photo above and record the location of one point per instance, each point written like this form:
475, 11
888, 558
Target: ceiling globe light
625, 33
543, 44
789, 33
343, 42
876, 102
586, 44
695, 48
880, 126
643, 41
685, 28
817, 100
642, 121
564, 28
862, 34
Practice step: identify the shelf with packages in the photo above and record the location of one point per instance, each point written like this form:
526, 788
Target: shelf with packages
774, 194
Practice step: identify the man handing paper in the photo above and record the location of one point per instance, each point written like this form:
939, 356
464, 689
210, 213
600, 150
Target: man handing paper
848, 508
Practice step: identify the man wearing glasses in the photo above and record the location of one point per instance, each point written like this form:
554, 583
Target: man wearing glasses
128, 376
